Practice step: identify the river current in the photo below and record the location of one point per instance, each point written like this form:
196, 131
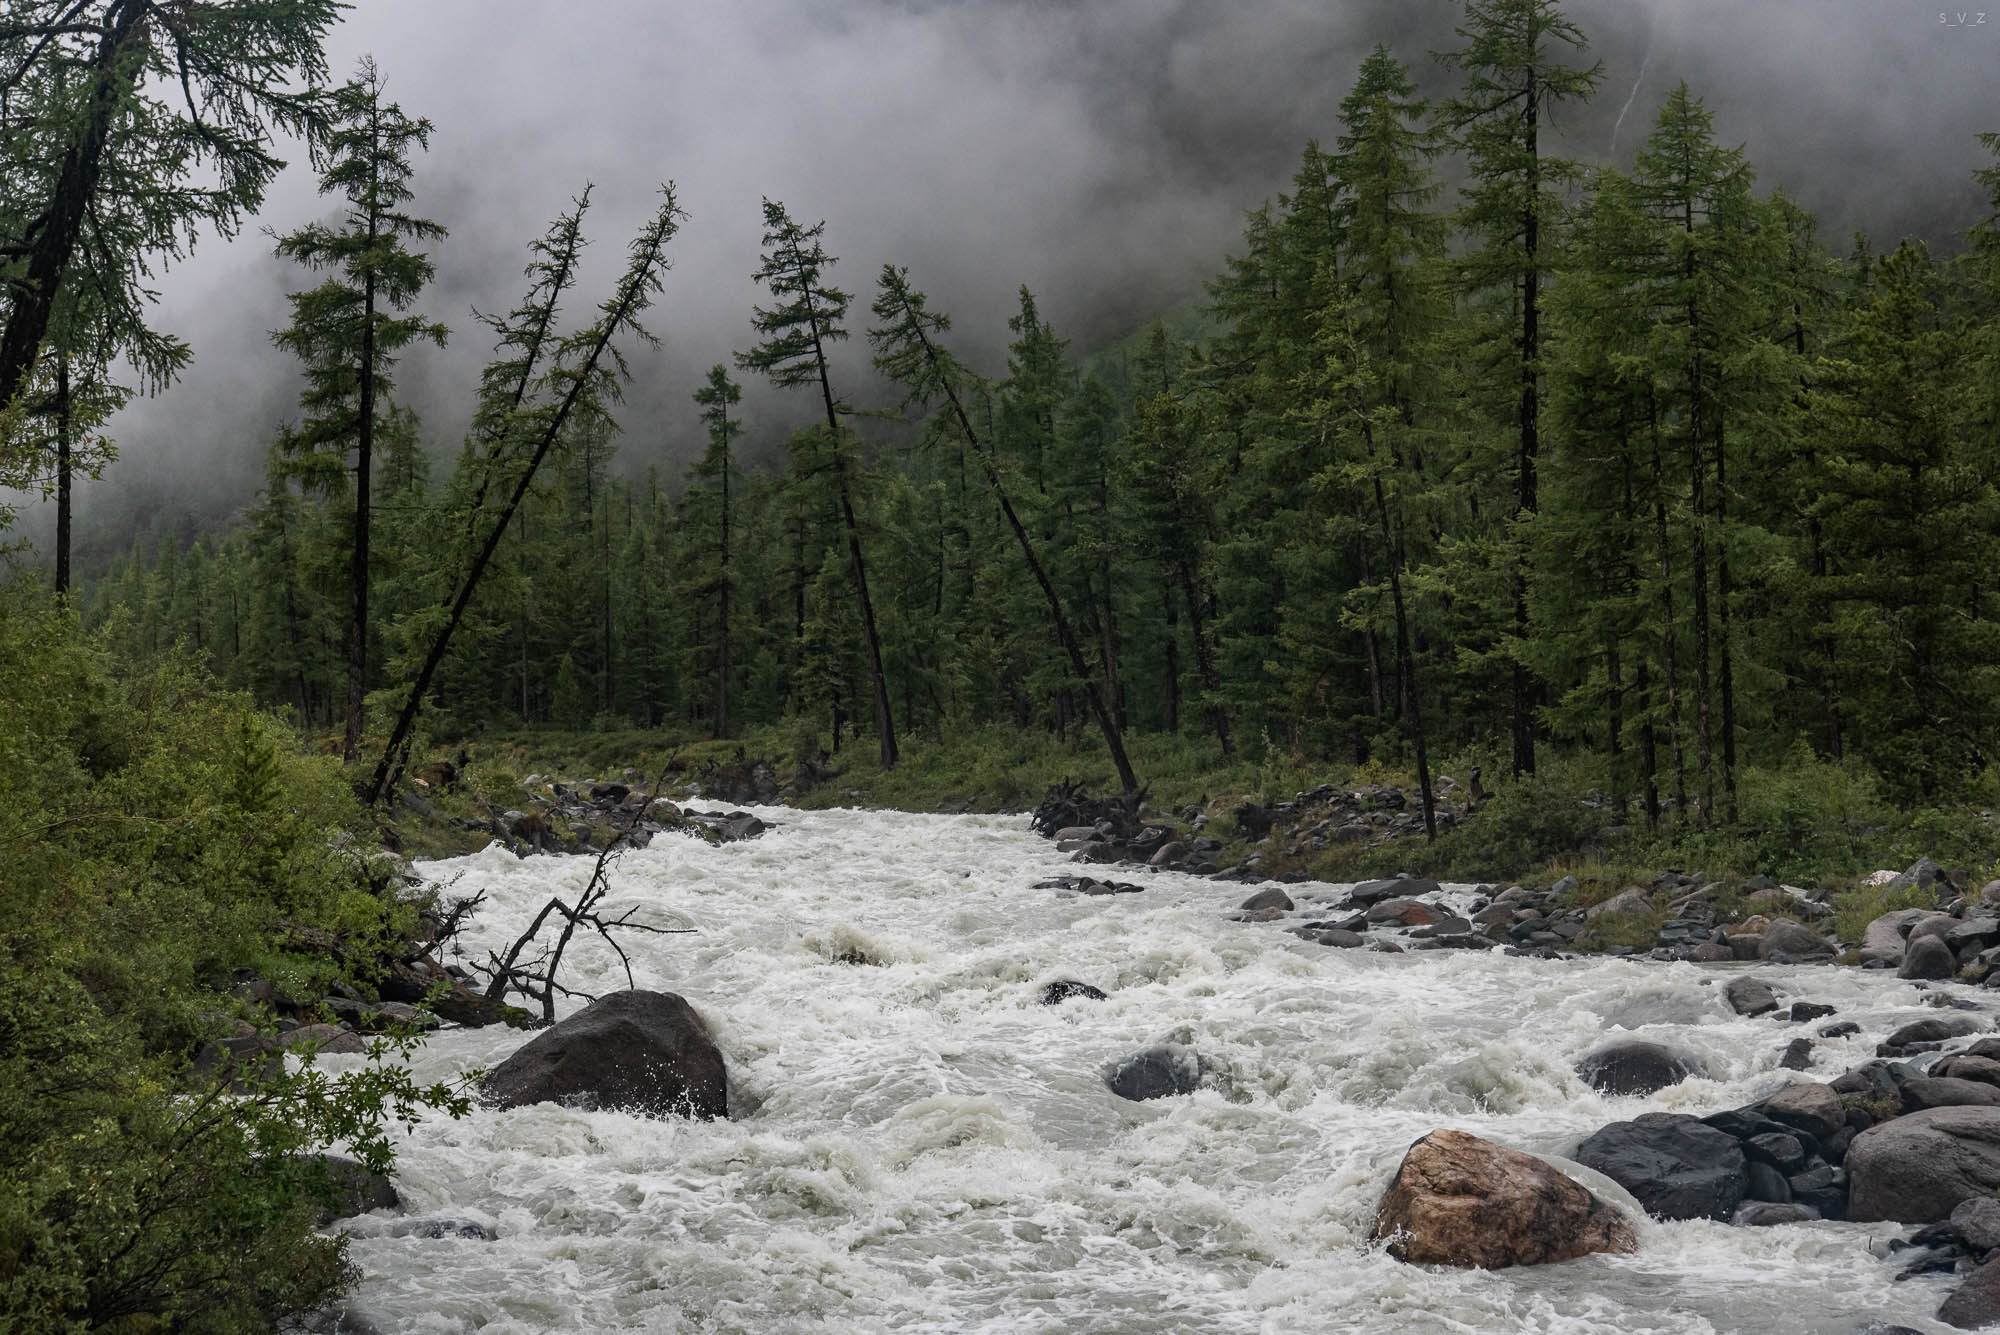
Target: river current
917, 1145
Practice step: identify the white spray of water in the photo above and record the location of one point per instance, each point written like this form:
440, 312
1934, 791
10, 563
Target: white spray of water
918, 1146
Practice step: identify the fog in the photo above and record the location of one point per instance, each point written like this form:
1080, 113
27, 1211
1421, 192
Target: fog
1101, 152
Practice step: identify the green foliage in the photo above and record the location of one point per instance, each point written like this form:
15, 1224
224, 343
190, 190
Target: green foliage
158, 834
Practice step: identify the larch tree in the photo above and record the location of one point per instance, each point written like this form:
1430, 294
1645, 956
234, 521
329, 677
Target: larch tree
797, 332
129, 127
1513, 65
908, 350
350, 329
708, 502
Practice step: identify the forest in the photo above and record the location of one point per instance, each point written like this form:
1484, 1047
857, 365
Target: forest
1617, 462
1473, 454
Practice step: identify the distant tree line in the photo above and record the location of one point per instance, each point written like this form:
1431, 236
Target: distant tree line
1625, 462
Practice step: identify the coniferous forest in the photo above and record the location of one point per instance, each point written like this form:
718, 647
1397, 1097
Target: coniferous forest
1625, 462
1472, 454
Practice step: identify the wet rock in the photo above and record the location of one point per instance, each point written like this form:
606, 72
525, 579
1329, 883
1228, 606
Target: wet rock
1975, 1303
1928, 957
1977, 1223
1802, 1011
1841, 1030
1750, 996
1767, 1214
326, 1038
1459, 1200
442, 1226
352, 1190
1168, 854
1779, 1149
1917, 1169
1634, 1066
1408, 912
1934, 1029
645, 1052
1762, 1182
1158, 1072
1812, 1108
1798, 1055
1676, 1167
1943, 1092
1062, 989
1272, 897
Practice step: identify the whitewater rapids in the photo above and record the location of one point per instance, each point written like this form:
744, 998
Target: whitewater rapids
916, 1145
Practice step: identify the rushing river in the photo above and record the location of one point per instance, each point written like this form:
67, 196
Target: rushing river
917, 1145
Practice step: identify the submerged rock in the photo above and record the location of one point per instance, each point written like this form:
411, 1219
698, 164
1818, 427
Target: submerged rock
1459, 1200
1162, 1071
1750, 996
645, 1052
1062, 989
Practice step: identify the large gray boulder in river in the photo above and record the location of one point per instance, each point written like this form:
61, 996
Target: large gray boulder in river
1916, 1169
644, 1052
1460, 1200
1676, 1166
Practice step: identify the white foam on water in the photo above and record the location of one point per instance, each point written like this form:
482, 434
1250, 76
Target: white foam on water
917, 1145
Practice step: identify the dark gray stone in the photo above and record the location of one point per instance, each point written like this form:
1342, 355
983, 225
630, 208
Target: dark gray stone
1158, 1072
1634, 1066
1794, 941
1675, 1167
1918, 1168
1373, 892
645, 1052
1783, 1152
353, 1190
1765, 1214
1935, 1029
1928, 957
1944, 1092
1762, 1182
1977, 1223
1975, 1303
1061, 990
1271, 897
1750, 996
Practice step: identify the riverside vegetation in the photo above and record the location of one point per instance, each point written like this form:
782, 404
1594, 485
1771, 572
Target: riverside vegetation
1610, 479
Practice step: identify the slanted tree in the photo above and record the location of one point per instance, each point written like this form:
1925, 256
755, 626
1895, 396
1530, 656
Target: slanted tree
581, 371
1512, 61
908, 351
350, 329
797, 332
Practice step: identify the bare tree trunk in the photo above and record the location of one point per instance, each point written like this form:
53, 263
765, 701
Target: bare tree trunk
62, 477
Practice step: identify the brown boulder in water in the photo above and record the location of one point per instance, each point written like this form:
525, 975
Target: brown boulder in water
1460, 1200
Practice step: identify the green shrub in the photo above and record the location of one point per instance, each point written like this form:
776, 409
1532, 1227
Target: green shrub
156, 834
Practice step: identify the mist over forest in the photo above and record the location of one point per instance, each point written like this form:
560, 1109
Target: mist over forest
1101, 154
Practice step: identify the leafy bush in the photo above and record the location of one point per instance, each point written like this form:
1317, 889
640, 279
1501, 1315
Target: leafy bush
156, 834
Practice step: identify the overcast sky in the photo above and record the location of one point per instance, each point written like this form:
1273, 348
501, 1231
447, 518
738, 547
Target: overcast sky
1100, 151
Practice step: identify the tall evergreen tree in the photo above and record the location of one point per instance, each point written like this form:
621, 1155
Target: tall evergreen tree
351, 328
797, 331
1512, 60
708, 491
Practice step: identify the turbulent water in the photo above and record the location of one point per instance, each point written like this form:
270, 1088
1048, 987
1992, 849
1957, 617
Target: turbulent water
917, 1145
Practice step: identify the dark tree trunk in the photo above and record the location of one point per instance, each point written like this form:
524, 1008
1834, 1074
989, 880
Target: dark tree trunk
57, 228
1173, 648
1204, 660
62, 477
1523, 702
1406, 667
